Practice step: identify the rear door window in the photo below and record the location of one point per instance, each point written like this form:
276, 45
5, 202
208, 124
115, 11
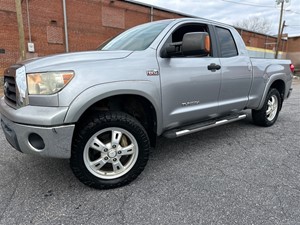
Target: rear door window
227, 43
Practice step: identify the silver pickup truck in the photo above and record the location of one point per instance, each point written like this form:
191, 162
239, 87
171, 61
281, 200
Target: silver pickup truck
104, 109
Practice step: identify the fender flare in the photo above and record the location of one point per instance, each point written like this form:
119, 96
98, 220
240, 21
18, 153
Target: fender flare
269, 81
101, 91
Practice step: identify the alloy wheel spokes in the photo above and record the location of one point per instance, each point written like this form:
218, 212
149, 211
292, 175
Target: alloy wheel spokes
128, 150
116, 137
117, 166
98, 164
98, 145
272, 108
111, 153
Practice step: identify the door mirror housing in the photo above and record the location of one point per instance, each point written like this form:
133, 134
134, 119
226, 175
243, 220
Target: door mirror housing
192, 44
196, 44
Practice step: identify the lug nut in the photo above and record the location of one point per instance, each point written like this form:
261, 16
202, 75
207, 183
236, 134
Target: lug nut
114, 159
114, 146
105, 150
119, 152
106, 158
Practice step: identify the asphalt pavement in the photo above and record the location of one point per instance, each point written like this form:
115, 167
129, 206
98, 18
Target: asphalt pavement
234, 174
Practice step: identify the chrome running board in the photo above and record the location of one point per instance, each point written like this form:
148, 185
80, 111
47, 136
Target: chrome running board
202, 126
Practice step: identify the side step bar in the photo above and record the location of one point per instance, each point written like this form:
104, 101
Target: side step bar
201, 126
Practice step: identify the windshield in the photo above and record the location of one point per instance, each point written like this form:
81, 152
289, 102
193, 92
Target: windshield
137, 38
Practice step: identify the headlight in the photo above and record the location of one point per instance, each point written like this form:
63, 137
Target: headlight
48, 83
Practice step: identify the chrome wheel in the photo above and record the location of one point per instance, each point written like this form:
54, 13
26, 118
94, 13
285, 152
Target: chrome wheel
272, 108
268, 114
110, 153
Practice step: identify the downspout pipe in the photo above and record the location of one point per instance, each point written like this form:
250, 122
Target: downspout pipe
151, 14
28, 20
66, 25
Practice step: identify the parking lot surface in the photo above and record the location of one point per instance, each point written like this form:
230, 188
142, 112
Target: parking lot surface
234, 174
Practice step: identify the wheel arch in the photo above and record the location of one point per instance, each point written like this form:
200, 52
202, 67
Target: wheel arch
277, 82
280, 86
134, 102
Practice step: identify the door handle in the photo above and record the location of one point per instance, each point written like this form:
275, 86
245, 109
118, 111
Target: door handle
249, 66
213, 67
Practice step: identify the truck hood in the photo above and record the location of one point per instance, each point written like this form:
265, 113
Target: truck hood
76, 57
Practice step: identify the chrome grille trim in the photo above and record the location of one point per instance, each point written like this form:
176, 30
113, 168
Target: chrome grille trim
11, 92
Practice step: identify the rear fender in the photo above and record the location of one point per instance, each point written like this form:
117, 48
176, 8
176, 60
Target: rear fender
270, 79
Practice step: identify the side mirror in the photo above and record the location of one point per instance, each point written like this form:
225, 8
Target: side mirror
196, 43
174, 49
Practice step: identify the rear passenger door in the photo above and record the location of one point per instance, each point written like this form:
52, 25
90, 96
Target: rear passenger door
236, 73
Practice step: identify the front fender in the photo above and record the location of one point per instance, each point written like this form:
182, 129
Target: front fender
98, 92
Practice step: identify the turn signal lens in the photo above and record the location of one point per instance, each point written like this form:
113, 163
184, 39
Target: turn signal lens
67, 77
207, 44
48, 83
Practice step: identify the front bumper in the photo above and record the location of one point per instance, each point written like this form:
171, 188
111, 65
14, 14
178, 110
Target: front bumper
34, 115
53, 141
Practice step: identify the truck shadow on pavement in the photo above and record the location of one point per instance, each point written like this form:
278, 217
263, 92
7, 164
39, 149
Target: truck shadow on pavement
40, 171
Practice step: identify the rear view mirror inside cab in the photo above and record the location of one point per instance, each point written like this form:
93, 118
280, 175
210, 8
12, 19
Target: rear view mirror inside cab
192, 44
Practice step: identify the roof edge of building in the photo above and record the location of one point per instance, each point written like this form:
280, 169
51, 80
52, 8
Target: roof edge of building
162, 9
191, 16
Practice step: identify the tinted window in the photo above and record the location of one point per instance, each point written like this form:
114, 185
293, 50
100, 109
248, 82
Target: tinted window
228, 47
178, 34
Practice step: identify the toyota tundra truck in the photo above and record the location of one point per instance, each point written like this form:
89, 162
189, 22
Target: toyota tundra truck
104, 109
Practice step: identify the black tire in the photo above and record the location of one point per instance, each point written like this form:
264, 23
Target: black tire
262, 117
83, 150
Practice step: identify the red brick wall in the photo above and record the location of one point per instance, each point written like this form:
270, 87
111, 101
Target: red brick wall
294, 51
257, 40
90, 22
7, 5
8, 34
294, 44
46, 22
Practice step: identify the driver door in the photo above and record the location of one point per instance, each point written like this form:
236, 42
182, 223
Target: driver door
190, 91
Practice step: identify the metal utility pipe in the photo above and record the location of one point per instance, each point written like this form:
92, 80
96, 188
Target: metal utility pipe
281, 33
279, 27
28, 20
151, 14
66, 25
21, 29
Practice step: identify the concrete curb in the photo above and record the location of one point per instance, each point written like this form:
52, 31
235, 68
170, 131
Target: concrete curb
296, 77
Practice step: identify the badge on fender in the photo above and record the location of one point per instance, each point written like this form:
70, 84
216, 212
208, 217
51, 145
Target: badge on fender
153, 72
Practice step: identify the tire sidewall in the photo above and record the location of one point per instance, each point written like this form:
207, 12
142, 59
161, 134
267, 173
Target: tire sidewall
125, 122
272, 92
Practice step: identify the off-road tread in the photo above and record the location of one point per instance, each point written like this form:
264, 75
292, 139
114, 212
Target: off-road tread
259, 117
92, 125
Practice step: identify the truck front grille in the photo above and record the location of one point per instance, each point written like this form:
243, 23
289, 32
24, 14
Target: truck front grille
10, 86
15, 87
10, 90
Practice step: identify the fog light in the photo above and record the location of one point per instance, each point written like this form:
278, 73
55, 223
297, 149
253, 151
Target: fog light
36, 141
